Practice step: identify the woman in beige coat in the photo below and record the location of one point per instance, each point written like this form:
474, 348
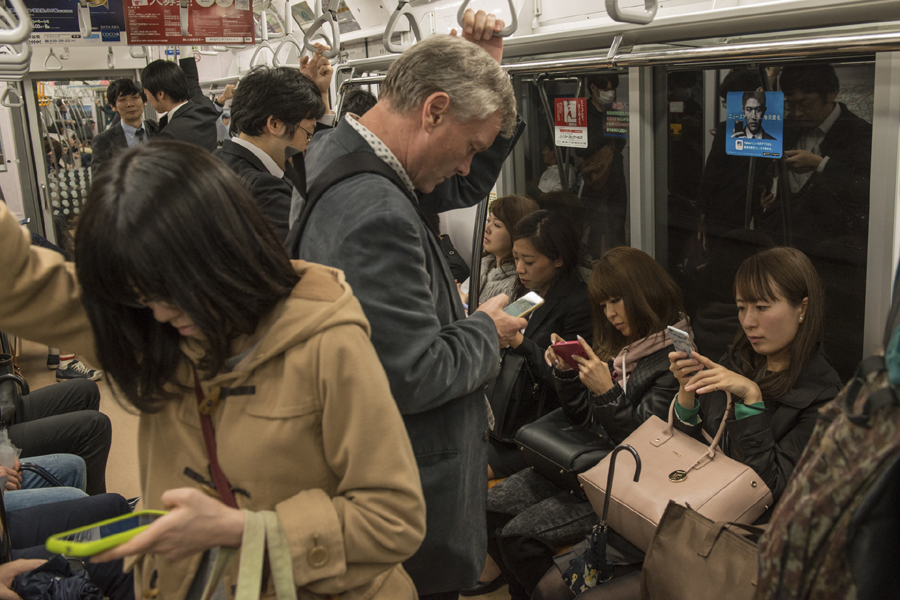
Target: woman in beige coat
181, 282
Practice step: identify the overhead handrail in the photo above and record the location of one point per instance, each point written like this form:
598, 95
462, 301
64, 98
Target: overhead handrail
22, 28
184, 16
264, 45
110, 59
11, 91
639, 17
329, 15
17, 58
84, 18
48, 66
145, 51
505, 32
404, 10
288, 39
264, 22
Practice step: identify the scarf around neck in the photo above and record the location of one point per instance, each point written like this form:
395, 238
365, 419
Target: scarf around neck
646, 346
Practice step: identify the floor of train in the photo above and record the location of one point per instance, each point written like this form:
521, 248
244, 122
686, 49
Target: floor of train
122, 468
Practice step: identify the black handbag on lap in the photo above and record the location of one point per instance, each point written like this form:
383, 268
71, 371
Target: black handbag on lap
516, 396
559, 450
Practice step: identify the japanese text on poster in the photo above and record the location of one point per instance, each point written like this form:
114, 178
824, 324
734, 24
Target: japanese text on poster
166, 22
756, 123
570, 122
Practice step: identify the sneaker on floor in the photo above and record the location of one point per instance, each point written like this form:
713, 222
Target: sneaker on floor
76, 370
52, 361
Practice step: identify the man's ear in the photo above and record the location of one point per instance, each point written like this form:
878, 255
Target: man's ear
274, 126
435, 111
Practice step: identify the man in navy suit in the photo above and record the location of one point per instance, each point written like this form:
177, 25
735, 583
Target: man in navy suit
127, 99
175, 90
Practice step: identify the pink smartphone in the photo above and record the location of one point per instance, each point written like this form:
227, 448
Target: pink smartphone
567, 350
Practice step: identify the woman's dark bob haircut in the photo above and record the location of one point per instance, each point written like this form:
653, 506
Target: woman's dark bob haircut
766, 277
651, 298
553, 235
168, 222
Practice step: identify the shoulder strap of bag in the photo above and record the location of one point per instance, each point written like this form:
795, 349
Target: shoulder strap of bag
209, 439
342, 168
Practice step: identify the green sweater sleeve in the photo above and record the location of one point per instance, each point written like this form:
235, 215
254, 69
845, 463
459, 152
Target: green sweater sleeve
688, 415
742, 410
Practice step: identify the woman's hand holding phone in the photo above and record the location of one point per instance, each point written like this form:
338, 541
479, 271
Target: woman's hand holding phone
195, 523
707, 376
552, 358
593, 372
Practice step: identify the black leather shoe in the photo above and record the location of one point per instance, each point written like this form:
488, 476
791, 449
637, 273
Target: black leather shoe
485, 587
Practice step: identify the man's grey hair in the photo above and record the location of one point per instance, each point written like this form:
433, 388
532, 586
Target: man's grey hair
476, 84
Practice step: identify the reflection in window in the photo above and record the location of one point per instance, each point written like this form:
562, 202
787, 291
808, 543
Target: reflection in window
815, 198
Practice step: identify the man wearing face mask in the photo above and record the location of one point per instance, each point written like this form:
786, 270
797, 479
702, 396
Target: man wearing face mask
603, 171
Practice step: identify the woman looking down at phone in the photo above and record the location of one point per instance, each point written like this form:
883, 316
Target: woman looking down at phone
545, 247
498, 267
188, 299
776, 370
624, 379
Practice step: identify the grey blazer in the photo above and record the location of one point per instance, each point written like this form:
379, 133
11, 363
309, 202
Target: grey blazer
437, 360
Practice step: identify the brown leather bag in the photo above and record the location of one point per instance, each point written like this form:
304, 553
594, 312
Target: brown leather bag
693, 557
676, 467
596, 167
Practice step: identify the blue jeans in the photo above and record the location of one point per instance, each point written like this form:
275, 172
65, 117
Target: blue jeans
68, 468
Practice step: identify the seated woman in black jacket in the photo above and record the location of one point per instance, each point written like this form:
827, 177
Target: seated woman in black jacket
545, 249
624, 381
776, 370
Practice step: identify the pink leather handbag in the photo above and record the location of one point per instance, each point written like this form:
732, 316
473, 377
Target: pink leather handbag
680, 468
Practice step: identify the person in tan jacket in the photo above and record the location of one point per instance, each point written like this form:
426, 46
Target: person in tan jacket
180, 276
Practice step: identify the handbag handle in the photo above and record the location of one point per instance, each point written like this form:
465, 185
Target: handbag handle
713, 535
262, 533
714, 443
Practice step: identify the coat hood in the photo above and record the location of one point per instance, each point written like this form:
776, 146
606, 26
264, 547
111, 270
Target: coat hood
321, 300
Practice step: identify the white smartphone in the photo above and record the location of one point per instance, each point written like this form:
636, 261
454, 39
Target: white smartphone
524, 305
681, 340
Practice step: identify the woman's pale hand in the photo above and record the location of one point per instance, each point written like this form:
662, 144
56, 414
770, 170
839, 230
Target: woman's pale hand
715, 377
553, 358
593, 372
683, 366
195, 523
11, 570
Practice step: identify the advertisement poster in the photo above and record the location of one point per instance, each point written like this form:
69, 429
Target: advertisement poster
616, 119
166, 22
56, 22
570, 122
756, 123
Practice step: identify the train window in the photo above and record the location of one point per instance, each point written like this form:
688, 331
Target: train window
576, 152
720, 208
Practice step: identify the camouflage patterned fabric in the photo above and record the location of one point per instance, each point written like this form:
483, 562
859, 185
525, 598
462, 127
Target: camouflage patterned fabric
804, 554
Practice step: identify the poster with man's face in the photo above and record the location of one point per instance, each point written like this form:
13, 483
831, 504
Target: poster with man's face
756, 124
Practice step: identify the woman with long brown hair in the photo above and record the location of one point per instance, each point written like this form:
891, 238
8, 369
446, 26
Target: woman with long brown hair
776, 370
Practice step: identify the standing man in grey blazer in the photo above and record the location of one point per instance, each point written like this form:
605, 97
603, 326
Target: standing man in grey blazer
127, 99
446, 106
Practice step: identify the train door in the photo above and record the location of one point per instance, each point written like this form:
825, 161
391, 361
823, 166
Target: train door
64, 114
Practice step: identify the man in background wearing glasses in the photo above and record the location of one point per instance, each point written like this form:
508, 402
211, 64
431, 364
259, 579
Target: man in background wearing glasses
273, 115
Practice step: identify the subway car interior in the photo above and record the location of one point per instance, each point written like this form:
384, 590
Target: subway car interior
700, 132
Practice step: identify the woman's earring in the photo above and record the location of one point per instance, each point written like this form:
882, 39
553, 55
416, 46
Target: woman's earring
801, 319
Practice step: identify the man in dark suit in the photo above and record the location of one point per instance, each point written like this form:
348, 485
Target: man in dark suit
175, 90
127, 99
754, 105
828, 162
274, 109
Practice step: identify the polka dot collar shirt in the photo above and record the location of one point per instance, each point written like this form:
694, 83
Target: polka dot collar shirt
381, 151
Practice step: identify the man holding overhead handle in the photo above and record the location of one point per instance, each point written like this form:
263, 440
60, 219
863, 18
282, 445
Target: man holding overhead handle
435, 130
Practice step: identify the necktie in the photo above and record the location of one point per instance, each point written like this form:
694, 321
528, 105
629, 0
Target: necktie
139, 135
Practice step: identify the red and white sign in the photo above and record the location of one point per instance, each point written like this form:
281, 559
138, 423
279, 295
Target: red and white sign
165, 22
570, 121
